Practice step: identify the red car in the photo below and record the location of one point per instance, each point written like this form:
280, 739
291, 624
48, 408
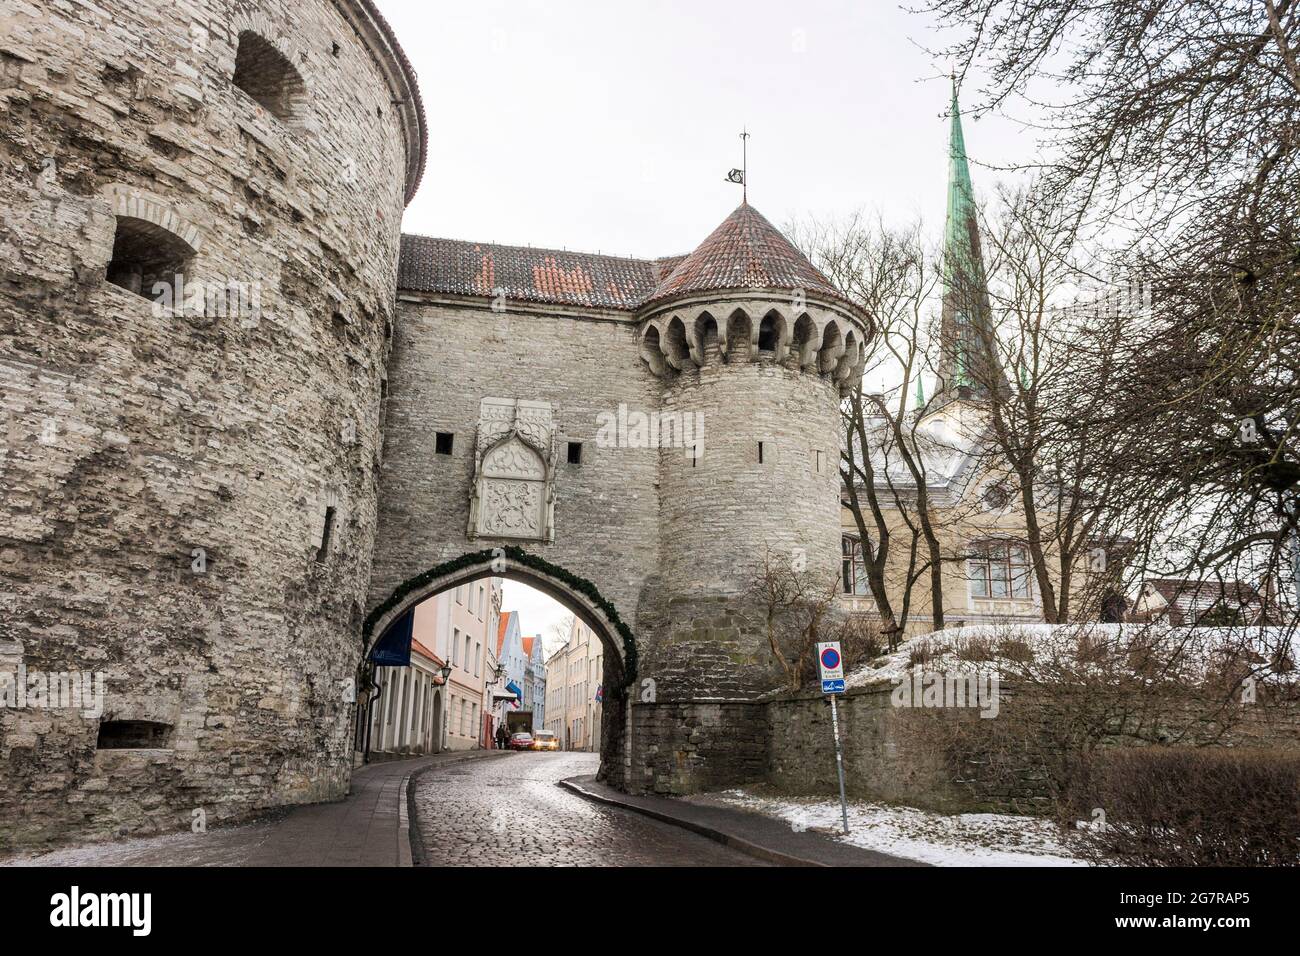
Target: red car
521, 741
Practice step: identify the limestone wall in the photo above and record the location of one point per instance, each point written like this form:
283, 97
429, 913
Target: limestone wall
448, 357
166, 476
694, 746
889, 756
734, 506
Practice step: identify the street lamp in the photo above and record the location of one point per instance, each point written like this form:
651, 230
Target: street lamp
445, 672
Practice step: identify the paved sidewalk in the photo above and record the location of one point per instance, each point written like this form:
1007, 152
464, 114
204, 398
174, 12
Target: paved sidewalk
759, 835
368, 828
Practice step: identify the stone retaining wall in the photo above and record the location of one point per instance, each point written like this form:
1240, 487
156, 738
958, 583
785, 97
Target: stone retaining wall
890, 756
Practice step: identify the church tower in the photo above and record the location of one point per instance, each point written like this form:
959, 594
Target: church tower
966, 355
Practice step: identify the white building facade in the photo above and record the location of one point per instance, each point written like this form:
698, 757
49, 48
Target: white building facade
574, 690
417, 711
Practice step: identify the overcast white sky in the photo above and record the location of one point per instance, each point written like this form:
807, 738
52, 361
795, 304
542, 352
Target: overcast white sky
610, 126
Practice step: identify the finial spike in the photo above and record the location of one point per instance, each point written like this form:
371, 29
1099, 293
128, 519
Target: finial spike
744, 164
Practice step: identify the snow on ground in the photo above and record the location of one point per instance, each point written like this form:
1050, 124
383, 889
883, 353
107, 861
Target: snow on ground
965, 839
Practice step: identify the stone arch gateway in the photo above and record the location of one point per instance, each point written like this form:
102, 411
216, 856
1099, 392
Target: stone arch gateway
202, 511
577, 594
692, 469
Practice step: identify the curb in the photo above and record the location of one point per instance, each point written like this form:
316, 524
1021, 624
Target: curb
726, 839
410, 848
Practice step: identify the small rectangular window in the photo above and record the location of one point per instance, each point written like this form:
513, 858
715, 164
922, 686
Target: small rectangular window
133, 735
442, 443
575, 453
760, 453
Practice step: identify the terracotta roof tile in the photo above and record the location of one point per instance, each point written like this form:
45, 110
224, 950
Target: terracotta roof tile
420, 648
745, 251
527, 274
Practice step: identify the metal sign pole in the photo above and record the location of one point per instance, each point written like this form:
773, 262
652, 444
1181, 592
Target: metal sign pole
839, 762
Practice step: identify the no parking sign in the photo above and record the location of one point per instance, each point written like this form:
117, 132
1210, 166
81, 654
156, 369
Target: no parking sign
831, 664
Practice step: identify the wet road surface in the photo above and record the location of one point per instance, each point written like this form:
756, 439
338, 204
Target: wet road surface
510, 811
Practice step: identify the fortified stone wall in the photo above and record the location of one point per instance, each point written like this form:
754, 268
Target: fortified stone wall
685, 747
169, 476
889, 756
694, 746
671, 538
448, 357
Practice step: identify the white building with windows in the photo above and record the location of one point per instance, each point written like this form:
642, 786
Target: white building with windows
416, 710
574, 693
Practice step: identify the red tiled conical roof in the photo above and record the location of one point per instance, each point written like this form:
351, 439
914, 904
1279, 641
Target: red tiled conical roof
745, 252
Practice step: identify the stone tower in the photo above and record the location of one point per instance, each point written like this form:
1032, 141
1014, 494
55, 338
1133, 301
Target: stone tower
754, 348
199, 253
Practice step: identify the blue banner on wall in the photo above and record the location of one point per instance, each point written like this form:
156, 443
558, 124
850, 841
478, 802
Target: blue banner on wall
393, 649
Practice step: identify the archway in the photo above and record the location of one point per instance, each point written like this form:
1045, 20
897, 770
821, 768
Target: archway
577, 594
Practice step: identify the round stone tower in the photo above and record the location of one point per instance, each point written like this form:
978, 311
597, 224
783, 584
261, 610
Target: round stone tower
755, 348
199, 251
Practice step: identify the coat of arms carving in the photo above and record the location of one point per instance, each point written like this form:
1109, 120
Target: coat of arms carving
514, 457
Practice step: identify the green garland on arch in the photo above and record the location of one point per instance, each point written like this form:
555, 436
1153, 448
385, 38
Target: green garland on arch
519, 556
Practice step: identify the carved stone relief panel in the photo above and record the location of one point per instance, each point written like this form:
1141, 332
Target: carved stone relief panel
514, 458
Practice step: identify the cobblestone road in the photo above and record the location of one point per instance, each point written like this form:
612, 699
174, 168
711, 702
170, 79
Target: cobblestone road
510, 810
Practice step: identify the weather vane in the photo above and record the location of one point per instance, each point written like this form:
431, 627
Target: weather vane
740, 175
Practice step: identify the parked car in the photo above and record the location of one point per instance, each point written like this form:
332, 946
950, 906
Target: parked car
545, 740
521, 741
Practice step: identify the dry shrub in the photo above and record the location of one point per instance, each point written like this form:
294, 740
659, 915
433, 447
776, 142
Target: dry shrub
1193, 806
923, 652
976, 650
1015, 649
860, 641
1091, 648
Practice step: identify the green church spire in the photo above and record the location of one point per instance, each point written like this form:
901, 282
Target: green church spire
966, 318
960, 234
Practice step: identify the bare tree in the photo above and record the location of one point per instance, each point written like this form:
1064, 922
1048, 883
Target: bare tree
797, 608
561, 630
887, 453
1046, 389
1173, 134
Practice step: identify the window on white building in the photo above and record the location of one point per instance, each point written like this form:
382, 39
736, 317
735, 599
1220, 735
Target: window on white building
478, 647
455, 646
998, 570
853, 566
